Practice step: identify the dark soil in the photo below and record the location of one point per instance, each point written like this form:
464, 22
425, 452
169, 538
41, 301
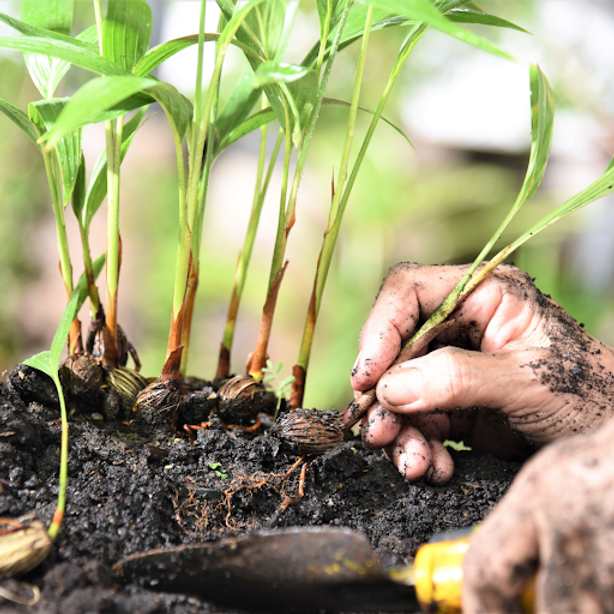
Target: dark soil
131, 490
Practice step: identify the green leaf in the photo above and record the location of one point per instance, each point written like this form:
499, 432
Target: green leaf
278, 366
49, 361
470, 13
598, 189
159, 54
267, 22
304, 91
18, 117
278, 72
44, 115
424, 11
126, 32
459, 446
71, 51
237, 106
542, 119
99, 95
287, 381
54, 15
355, 27
269, 378
329, 13
97, 189
252, 123
344, 103
78, 195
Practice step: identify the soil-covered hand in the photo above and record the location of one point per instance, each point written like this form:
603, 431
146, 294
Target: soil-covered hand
532, 371
557, 517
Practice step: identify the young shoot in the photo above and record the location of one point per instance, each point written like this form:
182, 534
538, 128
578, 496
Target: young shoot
283, 386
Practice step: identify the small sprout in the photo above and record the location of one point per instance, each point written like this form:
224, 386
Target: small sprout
283, 386
459, 446
221, 473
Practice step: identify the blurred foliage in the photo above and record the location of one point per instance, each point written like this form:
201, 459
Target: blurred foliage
442, 209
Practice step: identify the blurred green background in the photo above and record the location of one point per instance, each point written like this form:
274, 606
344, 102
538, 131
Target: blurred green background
467, 115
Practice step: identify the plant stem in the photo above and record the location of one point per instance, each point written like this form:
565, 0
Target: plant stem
58, 515
53, 178
340, 200
244, 258
113, 129
287, 219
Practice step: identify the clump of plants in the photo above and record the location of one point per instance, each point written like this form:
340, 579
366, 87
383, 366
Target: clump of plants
272, 95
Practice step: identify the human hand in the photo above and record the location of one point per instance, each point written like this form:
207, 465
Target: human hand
535, 368
556, 520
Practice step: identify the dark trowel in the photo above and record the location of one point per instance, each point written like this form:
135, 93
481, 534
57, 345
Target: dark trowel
293, 570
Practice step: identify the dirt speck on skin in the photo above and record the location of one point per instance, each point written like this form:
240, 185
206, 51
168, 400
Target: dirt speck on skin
132, 490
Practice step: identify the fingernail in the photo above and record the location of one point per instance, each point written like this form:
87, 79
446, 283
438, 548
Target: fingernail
402, 387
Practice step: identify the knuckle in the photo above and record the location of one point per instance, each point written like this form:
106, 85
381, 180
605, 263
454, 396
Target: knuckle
456, 376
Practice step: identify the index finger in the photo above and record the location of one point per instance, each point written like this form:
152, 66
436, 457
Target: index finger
409, 292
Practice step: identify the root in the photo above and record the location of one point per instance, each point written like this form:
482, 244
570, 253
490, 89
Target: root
201, 515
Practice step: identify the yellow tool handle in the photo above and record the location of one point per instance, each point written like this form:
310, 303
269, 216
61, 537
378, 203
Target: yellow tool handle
438, 575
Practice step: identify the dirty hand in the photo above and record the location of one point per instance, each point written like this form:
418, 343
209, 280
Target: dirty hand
556, 517
512, 352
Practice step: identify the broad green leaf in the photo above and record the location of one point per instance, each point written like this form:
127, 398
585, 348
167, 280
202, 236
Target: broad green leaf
424, 11
18, 117
278, 72
126, 32
159, 54
238, 105
44, 115
85, 57
97, 189
470, 13
55, 15
99, 95
267, 22
49, 361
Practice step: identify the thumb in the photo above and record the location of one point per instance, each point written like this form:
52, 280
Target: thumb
451, 378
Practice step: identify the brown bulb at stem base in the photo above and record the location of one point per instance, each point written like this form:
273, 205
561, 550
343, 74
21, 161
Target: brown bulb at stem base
309, 431
82, 376
157, 404
241, 399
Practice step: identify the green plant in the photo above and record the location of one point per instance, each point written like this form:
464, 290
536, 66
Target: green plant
219, 471
290, 97
283, 386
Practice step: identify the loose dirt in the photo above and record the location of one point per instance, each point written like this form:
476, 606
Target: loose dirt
132, 489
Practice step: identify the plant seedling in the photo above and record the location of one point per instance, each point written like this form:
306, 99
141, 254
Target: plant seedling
283, 386
221, 473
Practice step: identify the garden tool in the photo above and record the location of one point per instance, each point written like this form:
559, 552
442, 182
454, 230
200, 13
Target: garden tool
306, 570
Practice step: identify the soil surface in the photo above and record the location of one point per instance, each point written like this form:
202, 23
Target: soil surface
131, 489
